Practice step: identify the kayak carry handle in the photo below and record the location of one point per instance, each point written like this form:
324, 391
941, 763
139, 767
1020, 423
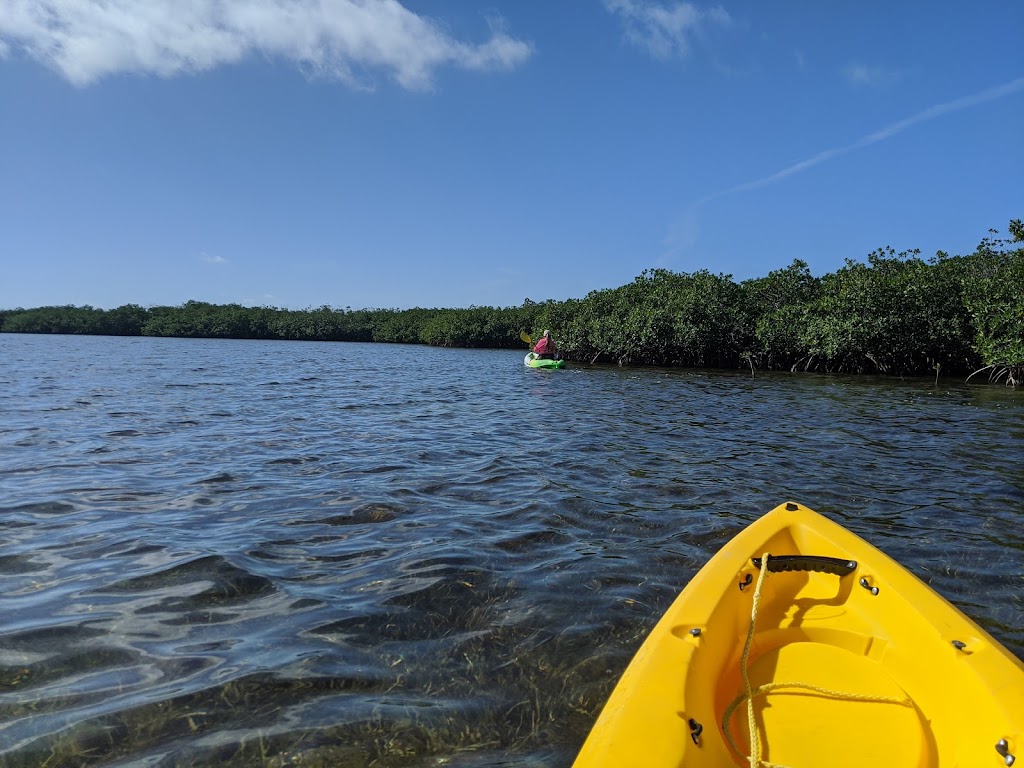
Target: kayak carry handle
785, 563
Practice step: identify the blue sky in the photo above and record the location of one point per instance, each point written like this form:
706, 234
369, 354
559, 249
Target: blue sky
297, 153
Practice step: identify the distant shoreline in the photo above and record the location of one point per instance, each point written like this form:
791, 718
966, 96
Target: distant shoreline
895, 314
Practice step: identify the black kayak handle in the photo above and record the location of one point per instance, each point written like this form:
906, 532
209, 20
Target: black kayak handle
784, 563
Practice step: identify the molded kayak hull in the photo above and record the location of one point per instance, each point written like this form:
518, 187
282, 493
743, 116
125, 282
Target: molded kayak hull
868, 668
536, 362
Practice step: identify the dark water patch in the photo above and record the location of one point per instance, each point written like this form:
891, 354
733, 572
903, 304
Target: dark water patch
71, 664
354, 558
129, 497
96, 547
228, 581
454, 594
528, 540
55, 637
366, 513
144, 549
291, 460
371, 631
196, 385
122, 461
221, 477
47, 508
385, 469
190, 617
14, 564
445, 601
306, 602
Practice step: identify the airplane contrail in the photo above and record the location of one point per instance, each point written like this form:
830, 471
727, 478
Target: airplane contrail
989, 94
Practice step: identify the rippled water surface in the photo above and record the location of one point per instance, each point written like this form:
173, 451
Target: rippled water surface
266, 553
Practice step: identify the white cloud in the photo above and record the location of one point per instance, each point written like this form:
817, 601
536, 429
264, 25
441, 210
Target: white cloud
664, 31
212, 259
351, 40
863, 75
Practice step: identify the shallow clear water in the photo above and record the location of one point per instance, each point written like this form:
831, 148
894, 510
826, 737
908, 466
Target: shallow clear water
242, 552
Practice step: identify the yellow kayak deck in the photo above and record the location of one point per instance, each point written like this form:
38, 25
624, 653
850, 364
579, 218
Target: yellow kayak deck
853, 661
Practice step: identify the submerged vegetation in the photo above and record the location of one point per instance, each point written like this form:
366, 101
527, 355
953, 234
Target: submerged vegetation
893, 314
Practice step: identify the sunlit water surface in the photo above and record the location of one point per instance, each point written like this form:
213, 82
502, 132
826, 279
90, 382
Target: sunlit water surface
267, 553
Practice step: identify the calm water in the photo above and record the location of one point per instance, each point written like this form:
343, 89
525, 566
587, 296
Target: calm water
265, 553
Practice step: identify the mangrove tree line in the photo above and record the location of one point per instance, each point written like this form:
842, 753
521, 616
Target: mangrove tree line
894, 313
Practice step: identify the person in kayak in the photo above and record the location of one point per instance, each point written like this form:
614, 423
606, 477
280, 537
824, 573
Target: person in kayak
545, 348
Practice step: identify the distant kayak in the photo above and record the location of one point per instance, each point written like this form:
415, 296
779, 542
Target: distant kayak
847, 658
538, 362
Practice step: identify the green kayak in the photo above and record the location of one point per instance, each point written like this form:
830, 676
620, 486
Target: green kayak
537, 362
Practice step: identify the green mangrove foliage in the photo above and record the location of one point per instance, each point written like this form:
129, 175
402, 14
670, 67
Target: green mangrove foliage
661, 318
123, 321
473, 327
993, 279
894, 313
779, 308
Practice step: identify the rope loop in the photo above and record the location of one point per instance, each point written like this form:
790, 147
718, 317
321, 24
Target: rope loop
750, 692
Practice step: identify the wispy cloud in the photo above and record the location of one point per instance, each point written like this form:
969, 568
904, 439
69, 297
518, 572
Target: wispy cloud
956, 105
858, 74
664, 31
212, 258
350, 40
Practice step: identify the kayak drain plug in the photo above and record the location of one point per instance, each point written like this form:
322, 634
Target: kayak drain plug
1003, 749
695, 631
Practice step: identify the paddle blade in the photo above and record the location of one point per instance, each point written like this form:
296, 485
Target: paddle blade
525, 337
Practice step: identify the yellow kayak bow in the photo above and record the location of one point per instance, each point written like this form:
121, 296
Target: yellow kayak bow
834, 655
